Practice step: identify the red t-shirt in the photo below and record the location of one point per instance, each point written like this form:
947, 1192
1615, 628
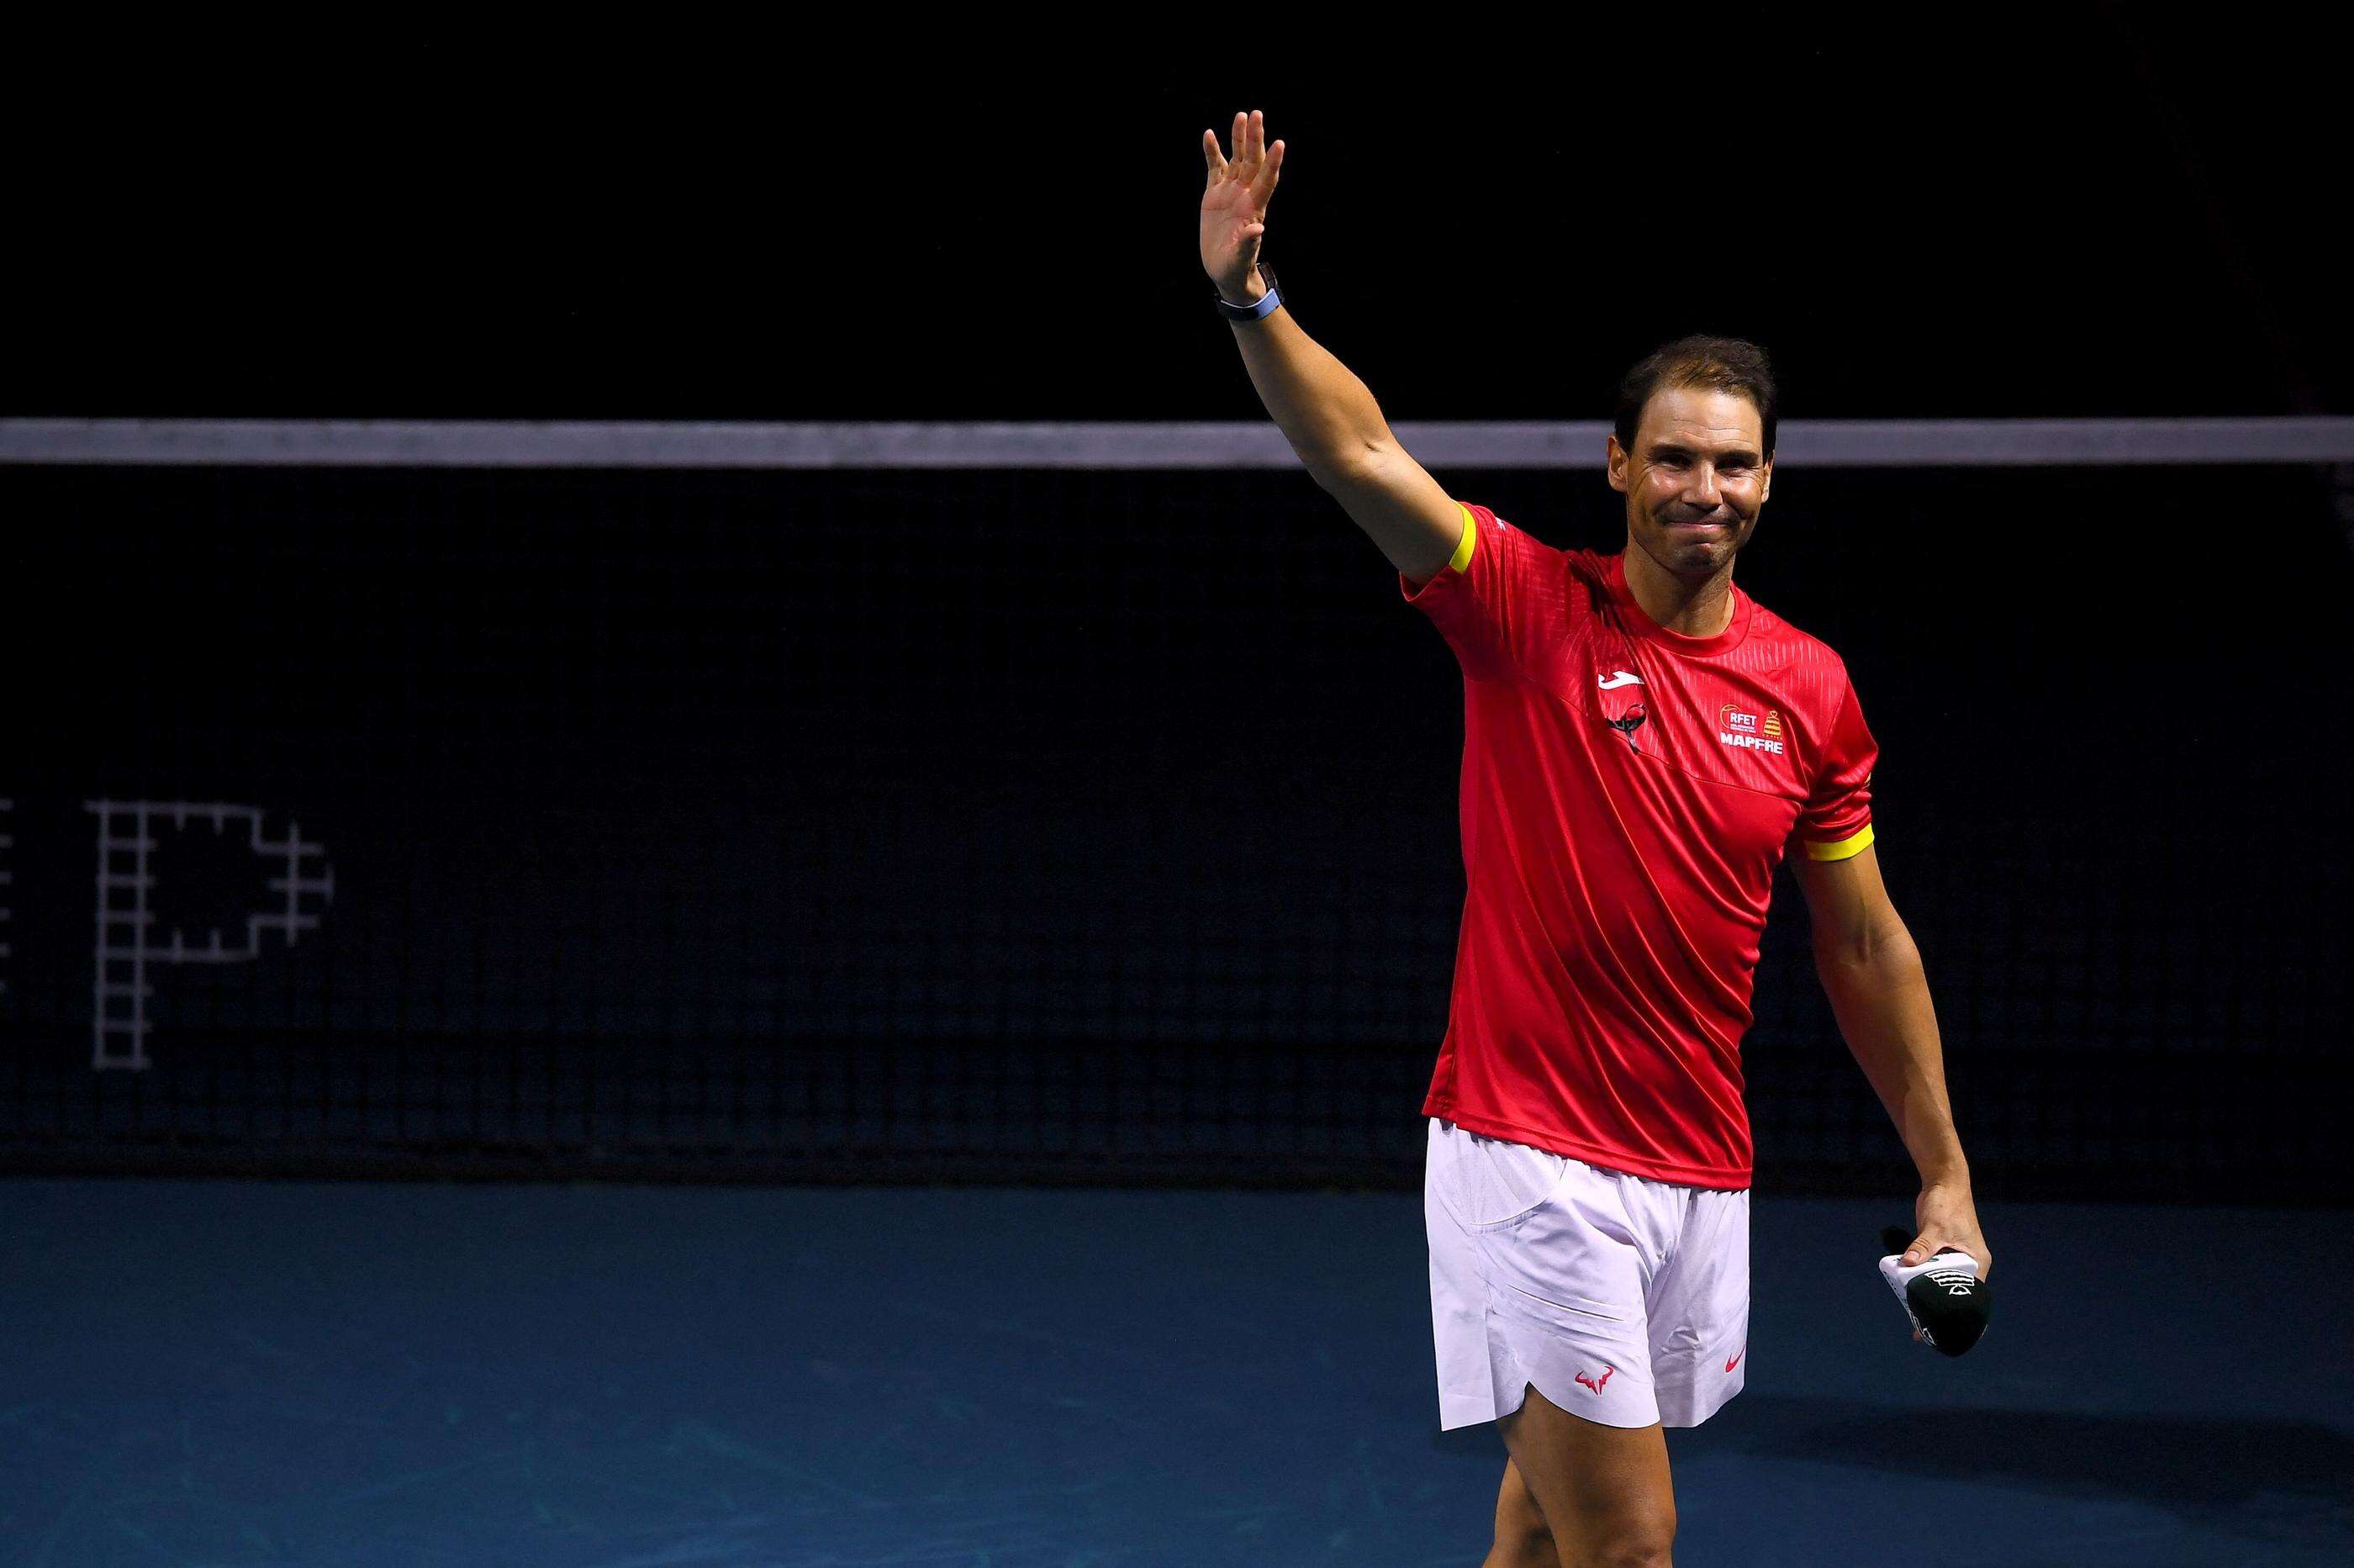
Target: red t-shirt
1626, 793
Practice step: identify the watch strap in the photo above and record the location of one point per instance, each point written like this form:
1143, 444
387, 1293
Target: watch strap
1266, 303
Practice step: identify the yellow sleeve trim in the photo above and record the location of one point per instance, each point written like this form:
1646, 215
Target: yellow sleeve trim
1854, 845
1462, 556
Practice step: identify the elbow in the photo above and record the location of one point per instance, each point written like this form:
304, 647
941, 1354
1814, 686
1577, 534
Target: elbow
1870, 946
1350, 466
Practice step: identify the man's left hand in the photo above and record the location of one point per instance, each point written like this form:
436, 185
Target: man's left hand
1947, 1215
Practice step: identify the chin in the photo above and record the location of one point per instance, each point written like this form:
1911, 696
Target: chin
1704, 556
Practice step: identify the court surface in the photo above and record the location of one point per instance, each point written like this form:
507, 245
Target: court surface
251, 1372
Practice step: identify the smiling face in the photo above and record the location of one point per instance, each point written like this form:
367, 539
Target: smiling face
1695, 479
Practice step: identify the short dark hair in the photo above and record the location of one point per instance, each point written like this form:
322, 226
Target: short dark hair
1718, 364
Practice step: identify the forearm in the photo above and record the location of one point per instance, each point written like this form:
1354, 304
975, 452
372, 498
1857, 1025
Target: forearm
1326, 414
1881, 1002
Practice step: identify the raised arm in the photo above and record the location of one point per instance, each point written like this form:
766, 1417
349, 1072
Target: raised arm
1324, 411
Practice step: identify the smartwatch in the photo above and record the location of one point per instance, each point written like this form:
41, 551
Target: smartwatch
1267, 301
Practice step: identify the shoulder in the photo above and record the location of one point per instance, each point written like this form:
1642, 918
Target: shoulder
1779, 644
1590, 571
1552, 577
1811, 677
1489, 526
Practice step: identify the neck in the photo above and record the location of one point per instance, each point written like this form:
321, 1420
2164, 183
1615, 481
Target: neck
1699, 607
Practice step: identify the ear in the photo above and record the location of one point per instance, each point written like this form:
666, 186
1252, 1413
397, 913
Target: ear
1764, 481
1615, 463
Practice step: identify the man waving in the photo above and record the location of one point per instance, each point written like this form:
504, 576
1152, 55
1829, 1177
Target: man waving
1643, 745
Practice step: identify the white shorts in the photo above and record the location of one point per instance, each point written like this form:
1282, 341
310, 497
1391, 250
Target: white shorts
1622, 1299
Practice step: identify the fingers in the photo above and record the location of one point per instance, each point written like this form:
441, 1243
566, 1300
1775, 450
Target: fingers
1249, 139
1263, 185
1925, 1247
1253, 159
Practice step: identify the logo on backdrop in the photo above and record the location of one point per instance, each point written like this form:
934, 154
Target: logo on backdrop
130, 947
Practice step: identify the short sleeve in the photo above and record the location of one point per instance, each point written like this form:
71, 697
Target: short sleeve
1497, 601
1836, 822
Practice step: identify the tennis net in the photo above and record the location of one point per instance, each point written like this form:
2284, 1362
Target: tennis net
1048, 823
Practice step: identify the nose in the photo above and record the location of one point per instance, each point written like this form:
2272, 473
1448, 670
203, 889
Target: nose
1704, 490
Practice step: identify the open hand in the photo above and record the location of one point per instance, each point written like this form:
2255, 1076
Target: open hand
1234, 202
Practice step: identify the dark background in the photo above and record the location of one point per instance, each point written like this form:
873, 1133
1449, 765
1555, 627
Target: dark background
2057, 211
1100, 826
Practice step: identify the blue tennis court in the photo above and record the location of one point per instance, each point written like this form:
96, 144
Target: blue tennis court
318, 1372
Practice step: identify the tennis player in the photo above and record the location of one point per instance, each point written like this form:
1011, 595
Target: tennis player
1643, 744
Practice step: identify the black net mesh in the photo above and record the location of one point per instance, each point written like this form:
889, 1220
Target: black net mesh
1047, 825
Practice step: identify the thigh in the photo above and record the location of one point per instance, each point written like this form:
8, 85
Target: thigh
1564, 1296
1521, 1534
1698, 1311
1601, 1489
1467, 1354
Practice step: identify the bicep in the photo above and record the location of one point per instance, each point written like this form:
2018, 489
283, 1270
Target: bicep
1401, 508
1849, 905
